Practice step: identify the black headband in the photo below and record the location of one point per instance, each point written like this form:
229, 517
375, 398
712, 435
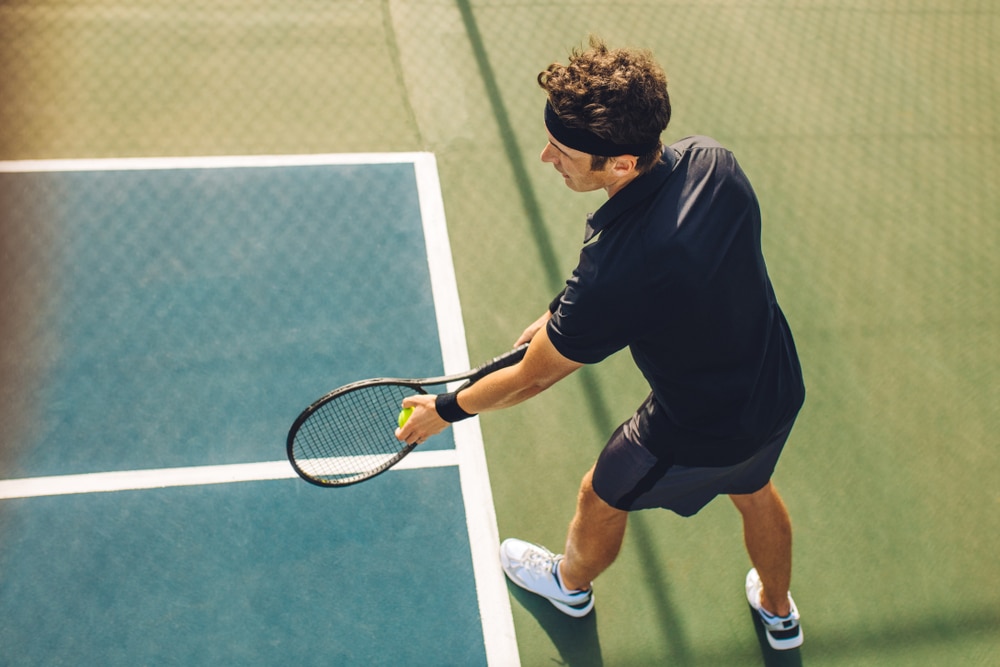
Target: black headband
588, 142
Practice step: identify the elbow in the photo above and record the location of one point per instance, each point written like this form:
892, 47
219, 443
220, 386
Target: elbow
541, 384
537, 382
533, 389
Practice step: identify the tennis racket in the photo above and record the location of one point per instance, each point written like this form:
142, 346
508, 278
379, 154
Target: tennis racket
348, 435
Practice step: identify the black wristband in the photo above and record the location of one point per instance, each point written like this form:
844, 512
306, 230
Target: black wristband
448, 408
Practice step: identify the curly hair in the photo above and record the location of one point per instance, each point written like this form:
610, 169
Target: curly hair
618, 94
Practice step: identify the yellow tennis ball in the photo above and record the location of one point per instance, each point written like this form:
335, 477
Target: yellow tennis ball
404, 414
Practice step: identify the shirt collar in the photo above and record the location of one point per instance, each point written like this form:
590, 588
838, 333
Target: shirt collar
630, 195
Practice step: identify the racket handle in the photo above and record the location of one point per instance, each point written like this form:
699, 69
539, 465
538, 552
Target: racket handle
495, 364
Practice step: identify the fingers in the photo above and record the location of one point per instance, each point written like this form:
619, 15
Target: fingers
422, 423
413, 442
532, 329
526, 337
410, 435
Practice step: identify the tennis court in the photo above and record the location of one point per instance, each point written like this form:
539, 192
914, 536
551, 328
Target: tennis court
146, 520
868, 128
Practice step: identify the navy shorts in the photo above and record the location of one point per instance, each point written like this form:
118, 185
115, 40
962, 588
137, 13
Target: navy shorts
630, 477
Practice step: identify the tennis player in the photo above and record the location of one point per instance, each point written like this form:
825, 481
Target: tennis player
671, 268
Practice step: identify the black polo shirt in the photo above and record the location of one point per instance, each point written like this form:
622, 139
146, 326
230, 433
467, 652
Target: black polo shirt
672, 268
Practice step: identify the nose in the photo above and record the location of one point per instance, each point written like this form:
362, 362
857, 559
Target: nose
549, 153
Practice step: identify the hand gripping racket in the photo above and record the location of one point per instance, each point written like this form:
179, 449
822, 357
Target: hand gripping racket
348, 435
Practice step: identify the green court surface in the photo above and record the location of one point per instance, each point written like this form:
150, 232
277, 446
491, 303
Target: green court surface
869, 129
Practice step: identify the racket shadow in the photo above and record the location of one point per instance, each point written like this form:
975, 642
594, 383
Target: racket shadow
772, 658
576, 639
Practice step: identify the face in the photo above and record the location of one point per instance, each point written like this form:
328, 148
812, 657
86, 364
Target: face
574, 166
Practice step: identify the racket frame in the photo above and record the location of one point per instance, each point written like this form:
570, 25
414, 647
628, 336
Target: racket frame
416, 385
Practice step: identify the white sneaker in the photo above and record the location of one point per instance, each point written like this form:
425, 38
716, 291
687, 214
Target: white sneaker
536, 569
783, 632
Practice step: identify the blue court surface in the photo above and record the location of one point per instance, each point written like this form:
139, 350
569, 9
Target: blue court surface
191, 308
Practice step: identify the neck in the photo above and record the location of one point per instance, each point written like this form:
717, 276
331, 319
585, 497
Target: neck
617, 186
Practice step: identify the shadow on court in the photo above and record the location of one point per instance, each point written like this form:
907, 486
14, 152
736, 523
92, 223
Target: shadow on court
579, 645
772, 658
575, 638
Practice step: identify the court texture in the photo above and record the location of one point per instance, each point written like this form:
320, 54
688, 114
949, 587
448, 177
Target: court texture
212, 212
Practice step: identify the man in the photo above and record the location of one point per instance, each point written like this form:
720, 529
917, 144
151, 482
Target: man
672, 269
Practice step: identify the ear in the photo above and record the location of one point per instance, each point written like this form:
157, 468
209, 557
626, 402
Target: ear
623, 165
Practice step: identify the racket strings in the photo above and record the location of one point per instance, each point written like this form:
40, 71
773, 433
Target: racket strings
351, 437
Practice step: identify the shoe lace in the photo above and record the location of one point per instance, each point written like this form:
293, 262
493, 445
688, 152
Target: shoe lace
539, 562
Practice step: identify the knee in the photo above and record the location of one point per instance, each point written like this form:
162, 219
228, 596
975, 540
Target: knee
763, 498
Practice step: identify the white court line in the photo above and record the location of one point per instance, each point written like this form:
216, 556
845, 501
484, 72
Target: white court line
480, 514
162, 478
209, 162
494, 601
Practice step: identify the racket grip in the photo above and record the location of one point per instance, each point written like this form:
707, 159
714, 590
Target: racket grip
495, 364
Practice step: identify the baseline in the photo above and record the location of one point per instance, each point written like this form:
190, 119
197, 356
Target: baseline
162, 478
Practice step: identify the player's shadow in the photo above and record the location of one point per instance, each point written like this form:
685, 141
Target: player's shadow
772, 658
575, 638
579, 645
